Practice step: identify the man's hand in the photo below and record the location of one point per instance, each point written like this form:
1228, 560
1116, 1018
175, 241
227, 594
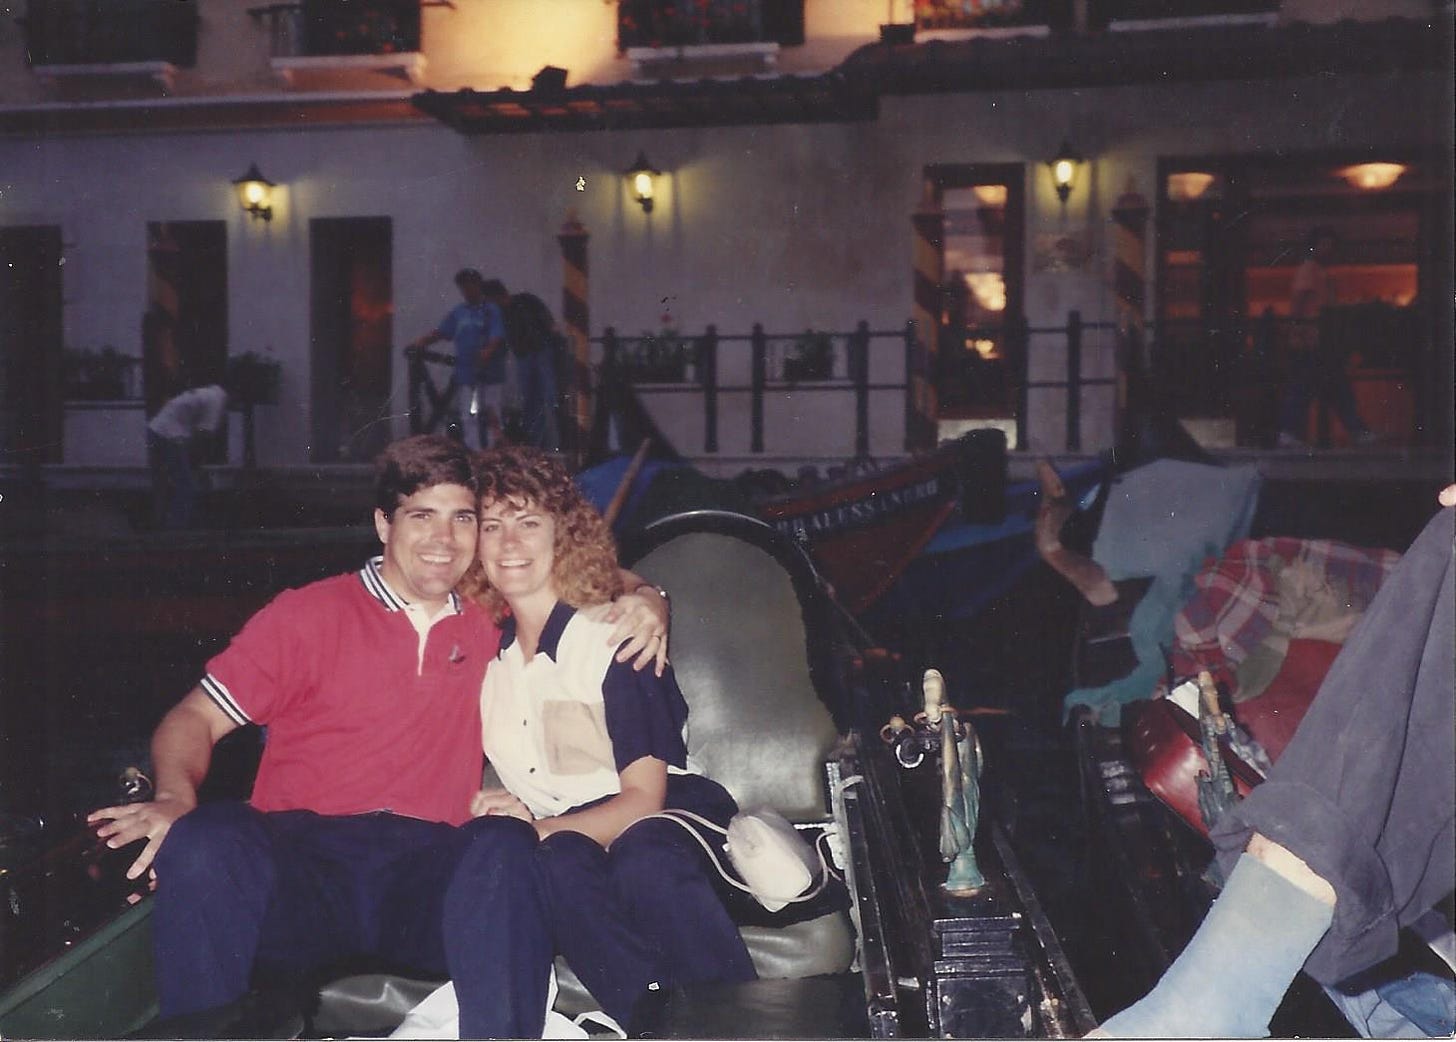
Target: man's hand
641, 621
131, 822
1447, 498
499, 802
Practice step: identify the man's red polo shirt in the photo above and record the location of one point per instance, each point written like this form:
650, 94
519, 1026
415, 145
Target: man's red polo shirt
358, 719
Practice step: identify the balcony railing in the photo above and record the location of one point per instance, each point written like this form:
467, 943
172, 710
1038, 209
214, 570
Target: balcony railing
323, 28
1105, 11
953, 14
692, 23
111, 32
743, 391
992, 14
1241, 372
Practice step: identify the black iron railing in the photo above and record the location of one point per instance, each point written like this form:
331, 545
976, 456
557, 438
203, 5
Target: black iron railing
1243, 370
92, 32
953, 14
320, 28
1103, 11
812, 362
1060, 14
687, 23
859, 367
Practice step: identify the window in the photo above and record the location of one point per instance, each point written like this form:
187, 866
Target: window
185, 327
686, 23
1225, 285
80, 32
980, 293
30, 345
352, 332
361, 26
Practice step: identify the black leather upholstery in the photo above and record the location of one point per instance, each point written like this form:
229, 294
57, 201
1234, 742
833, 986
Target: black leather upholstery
740, 648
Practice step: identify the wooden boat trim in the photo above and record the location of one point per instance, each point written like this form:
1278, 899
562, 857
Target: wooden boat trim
76, 995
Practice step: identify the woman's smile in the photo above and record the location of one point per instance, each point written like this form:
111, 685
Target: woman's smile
518, 549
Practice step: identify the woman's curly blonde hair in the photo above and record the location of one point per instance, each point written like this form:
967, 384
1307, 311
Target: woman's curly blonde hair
584, 569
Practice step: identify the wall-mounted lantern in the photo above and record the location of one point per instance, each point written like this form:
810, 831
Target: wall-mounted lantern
1372, 176
1064, 170
642, 181
255, 193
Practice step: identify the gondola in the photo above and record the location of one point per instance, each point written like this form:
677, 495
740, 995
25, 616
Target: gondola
790, 703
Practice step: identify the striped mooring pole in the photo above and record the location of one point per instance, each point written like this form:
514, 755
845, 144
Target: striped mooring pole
576, 321
1129, 279
929, 260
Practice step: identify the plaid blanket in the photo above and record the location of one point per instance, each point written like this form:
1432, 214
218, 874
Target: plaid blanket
1264, 591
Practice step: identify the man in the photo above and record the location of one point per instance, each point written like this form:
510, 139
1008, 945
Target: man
356, 840
1315, 371
171, 435
478, 331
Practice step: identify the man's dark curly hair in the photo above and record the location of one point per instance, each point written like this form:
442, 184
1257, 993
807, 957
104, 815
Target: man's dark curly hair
419, 462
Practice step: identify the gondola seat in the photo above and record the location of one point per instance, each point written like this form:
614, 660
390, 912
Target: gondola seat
752, 651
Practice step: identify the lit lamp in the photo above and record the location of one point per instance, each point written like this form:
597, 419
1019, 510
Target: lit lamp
1371, 176
255, 193
1189, 184
642, 180
1064, 170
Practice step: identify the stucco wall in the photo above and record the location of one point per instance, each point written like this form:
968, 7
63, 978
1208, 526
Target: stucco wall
791, 226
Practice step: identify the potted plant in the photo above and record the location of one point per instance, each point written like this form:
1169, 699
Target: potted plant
96, 376
253, 379
662, 356
812, 357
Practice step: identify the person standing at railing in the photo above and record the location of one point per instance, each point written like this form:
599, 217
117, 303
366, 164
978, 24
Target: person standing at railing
477, 328
1315, 371
535, 344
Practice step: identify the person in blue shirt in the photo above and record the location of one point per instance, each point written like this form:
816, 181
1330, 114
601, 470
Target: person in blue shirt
478, 331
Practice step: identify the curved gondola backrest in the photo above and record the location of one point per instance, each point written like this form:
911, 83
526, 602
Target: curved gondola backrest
751, 649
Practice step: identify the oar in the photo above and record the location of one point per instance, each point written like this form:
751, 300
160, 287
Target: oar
619, 497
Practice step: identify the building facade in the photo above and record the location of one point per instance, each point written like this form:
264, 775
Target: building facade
820, 163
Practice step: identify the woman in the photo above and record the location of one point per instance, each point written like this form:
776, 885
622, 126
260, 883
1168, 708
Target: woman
585, 747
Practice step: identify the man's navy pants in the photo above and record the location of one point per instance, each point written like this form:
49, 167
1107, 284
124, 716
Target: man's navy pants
292, 891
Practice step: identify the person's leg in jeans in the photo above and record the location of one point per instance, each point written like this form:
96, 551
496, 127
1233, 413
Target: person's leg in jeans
234, 884
175, 463
538, 399
591, 928
497, 945
1335, 389
1353, 833
1303, 372
491, 401
466, 398
658, 873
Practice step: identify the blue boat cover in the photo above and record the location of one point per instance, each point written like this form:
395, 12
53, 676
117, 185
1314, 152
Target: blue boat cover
1164, 520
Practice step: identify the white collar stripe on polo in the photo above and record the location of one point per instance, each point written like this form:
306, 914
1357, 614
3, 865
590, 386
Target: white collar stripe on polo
373, 579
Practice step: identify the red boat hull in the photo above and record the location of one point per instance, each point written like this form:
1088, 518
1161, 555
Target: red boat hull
864, 531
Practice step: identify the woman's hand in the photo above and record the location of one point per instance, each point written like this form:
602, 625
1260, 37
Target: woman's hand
499, 802
1447, 497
